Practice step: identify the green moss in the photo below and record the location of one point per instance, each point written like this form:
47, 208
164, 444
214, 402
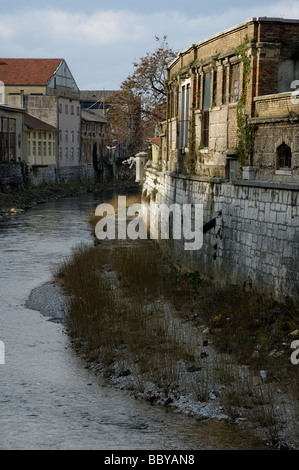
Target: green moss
245, 130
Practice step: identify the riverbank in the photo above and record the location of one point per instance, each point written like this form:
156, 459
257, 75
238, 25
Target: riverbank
30, 196
169, 337
144, 329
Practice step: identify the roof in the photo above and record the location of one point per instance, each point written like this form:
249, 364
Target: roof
36, 124
96, 95
92, 117
259, 19
28, 71
6, 107
155, 140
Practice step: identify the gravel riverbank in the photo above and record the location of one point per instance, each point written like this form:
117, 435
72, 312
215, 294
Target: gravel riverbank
49, 300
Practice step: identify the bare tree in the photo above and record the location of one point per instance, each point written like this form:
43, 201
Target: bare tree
141, 102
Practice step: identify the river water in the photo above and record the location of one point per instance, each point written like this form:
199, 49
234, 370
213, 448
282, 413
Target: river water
48, 400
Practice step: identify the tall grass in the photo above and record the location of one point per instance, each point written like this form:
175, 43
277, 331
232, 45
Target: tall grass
103, 316
120, 300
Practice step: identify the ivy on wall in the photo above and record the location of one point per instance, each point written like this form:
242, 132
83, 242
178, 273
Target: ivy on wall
245, 130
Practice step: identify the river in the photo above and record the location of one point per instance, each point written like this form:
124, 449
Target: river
48, 400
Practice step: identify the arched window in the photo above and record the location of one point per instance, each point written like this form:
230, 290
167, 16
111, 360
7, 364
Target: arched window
284, 156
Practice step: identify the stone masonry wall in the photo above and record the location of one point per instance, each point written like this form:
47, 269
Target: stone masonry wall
11, 175
256, 238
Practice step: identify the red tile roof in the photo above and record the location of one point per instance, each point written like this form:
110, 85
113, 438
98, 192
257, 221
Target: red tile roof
155, 141
27, 71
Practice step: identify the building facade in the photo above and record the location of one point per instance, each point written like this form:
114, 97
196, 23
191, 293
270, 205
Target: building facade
93, 142
46, 89
230, 143
40, 142
11, 146
232, 104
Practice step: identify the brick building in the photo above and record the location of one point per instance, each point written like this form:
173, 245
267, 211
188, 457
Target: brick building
232, 103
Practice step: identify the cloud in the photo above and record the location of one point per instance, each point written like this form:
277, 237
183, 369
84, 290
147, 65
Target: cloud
6, 32
100, 46
101, 28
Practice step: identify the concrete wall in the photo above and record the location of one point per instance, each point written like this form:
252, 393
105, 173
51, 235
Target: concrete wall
256, 236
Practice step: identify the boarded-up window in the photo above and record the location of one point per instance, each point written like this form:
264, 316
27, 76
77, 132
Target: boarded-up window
235, 83
205, 128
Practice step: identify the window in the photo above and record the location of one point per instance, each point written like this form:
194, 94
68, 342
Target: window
49, 149
284, 156
198, 92
224, 83
66, 109
78, 110
185, 113
214, 99
235, 83
39, 149
72, 153
72, 109
207, 92
44, 149
72, 136
66, 136
206, 110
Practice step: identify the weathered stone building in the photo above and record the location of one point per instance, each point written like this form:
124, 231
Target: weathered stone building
96, 157
236, 87
231, 143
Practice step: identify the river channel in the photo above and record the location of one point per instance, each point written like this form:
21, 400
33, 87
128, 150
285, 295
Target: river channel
48, 400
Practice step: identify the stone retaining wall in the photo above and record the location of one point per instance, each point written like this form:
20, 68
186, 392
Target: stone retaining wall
11, 175
256, 237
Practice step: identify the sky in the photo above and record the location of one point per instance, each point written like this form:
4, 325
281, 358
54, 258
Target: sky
100, 40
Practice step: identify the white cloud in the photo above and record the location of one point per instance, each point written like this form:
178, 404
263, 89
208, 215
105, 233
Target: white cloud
6, 32
101, 46
102, 28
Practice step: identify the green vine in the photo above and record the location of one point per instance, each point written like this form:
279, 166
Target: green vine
245, 130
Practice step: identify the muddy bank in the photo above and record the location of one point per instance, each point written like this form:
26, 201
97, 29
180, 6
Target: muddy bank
30, 196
